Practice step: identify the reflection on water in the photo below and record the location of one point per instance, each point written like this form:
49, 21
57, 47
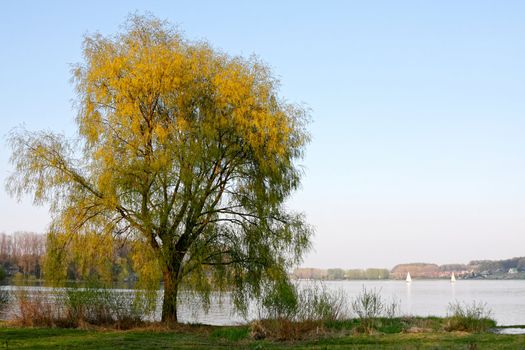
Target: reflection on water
506, 299
408, 309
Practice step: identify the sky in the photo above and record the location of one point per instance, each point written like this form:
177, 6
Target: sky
418, 112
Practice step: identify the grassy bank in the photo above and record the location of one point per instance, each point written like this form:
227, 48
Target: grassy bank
314, 319
203, 337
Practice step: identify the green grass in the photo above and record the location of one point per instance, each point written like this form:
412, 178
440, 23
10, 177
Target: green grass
231, 333
203, 337
394, 325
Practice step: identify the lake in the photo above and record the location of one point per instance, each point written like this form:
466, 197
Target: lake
506, 299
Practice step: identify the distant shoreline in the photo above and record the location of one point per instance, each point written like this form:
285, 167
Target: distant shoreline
413, 280
511, 269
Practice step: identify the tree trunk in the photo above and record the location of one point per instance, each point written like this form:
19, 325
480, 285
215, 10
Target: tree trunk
169, 304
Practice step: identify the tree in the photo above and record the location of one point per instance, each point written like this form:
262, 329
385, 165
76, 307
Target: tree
335, 274
185, 151
23, 251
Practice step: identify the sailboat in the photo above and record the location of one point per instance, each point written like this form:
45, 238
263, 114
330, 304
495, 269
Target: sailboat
452, 278
409, 279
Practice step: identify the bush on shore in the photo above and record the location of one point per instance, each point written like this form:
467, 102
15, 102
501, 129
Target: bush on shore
289, 312
474, 317
78, 307
292, 313
372, 310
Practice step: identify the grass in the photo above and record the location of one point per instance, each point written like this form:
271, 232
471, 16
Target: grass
473, 317
231, 333
209, 337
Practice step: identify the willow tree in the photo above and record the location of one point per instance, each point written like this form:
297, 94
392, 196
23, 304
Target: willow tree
185, 151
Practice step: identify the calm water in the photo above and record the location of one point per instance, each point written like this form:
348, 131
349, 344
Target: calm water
506, 299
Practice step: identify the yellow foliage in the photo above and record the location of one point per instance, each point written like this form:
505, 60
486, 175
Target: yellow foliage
188, 153
146, 88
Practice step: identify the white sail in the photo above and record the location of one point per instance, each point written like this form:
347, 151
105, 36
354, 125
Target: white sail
452, 278
409, 279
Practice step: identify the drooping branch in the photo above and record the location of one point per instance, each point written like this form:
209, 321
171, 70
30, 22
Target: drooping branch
187, 151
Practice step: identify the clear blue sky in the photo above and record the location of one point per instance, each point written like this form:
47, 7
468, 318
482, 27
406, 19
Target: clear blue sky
418, 150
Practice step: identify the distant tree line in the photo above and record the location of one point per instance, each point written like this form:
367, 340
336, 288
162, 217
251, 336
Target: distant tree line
367, 274
22, 252
508, 268
494, 267
341, 274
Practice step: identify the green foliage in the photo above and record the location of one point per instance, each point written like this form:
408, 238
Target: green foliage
317, 303
281, 301
186, 152
291, 312
369, 306
101, 306
390, 325
313, 302
340, 325
473, 317
75, 307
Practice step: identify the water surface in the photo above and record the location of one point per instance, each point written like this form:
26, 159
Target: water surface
505, 299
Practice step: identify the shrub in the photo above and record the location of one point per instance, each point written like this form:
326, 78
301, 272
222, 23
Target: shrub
473, 317
372, 310
392, 309
103, 306
76, 307
368, 306
319, 304
290, 312
35, 309
280, 302
313, 302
